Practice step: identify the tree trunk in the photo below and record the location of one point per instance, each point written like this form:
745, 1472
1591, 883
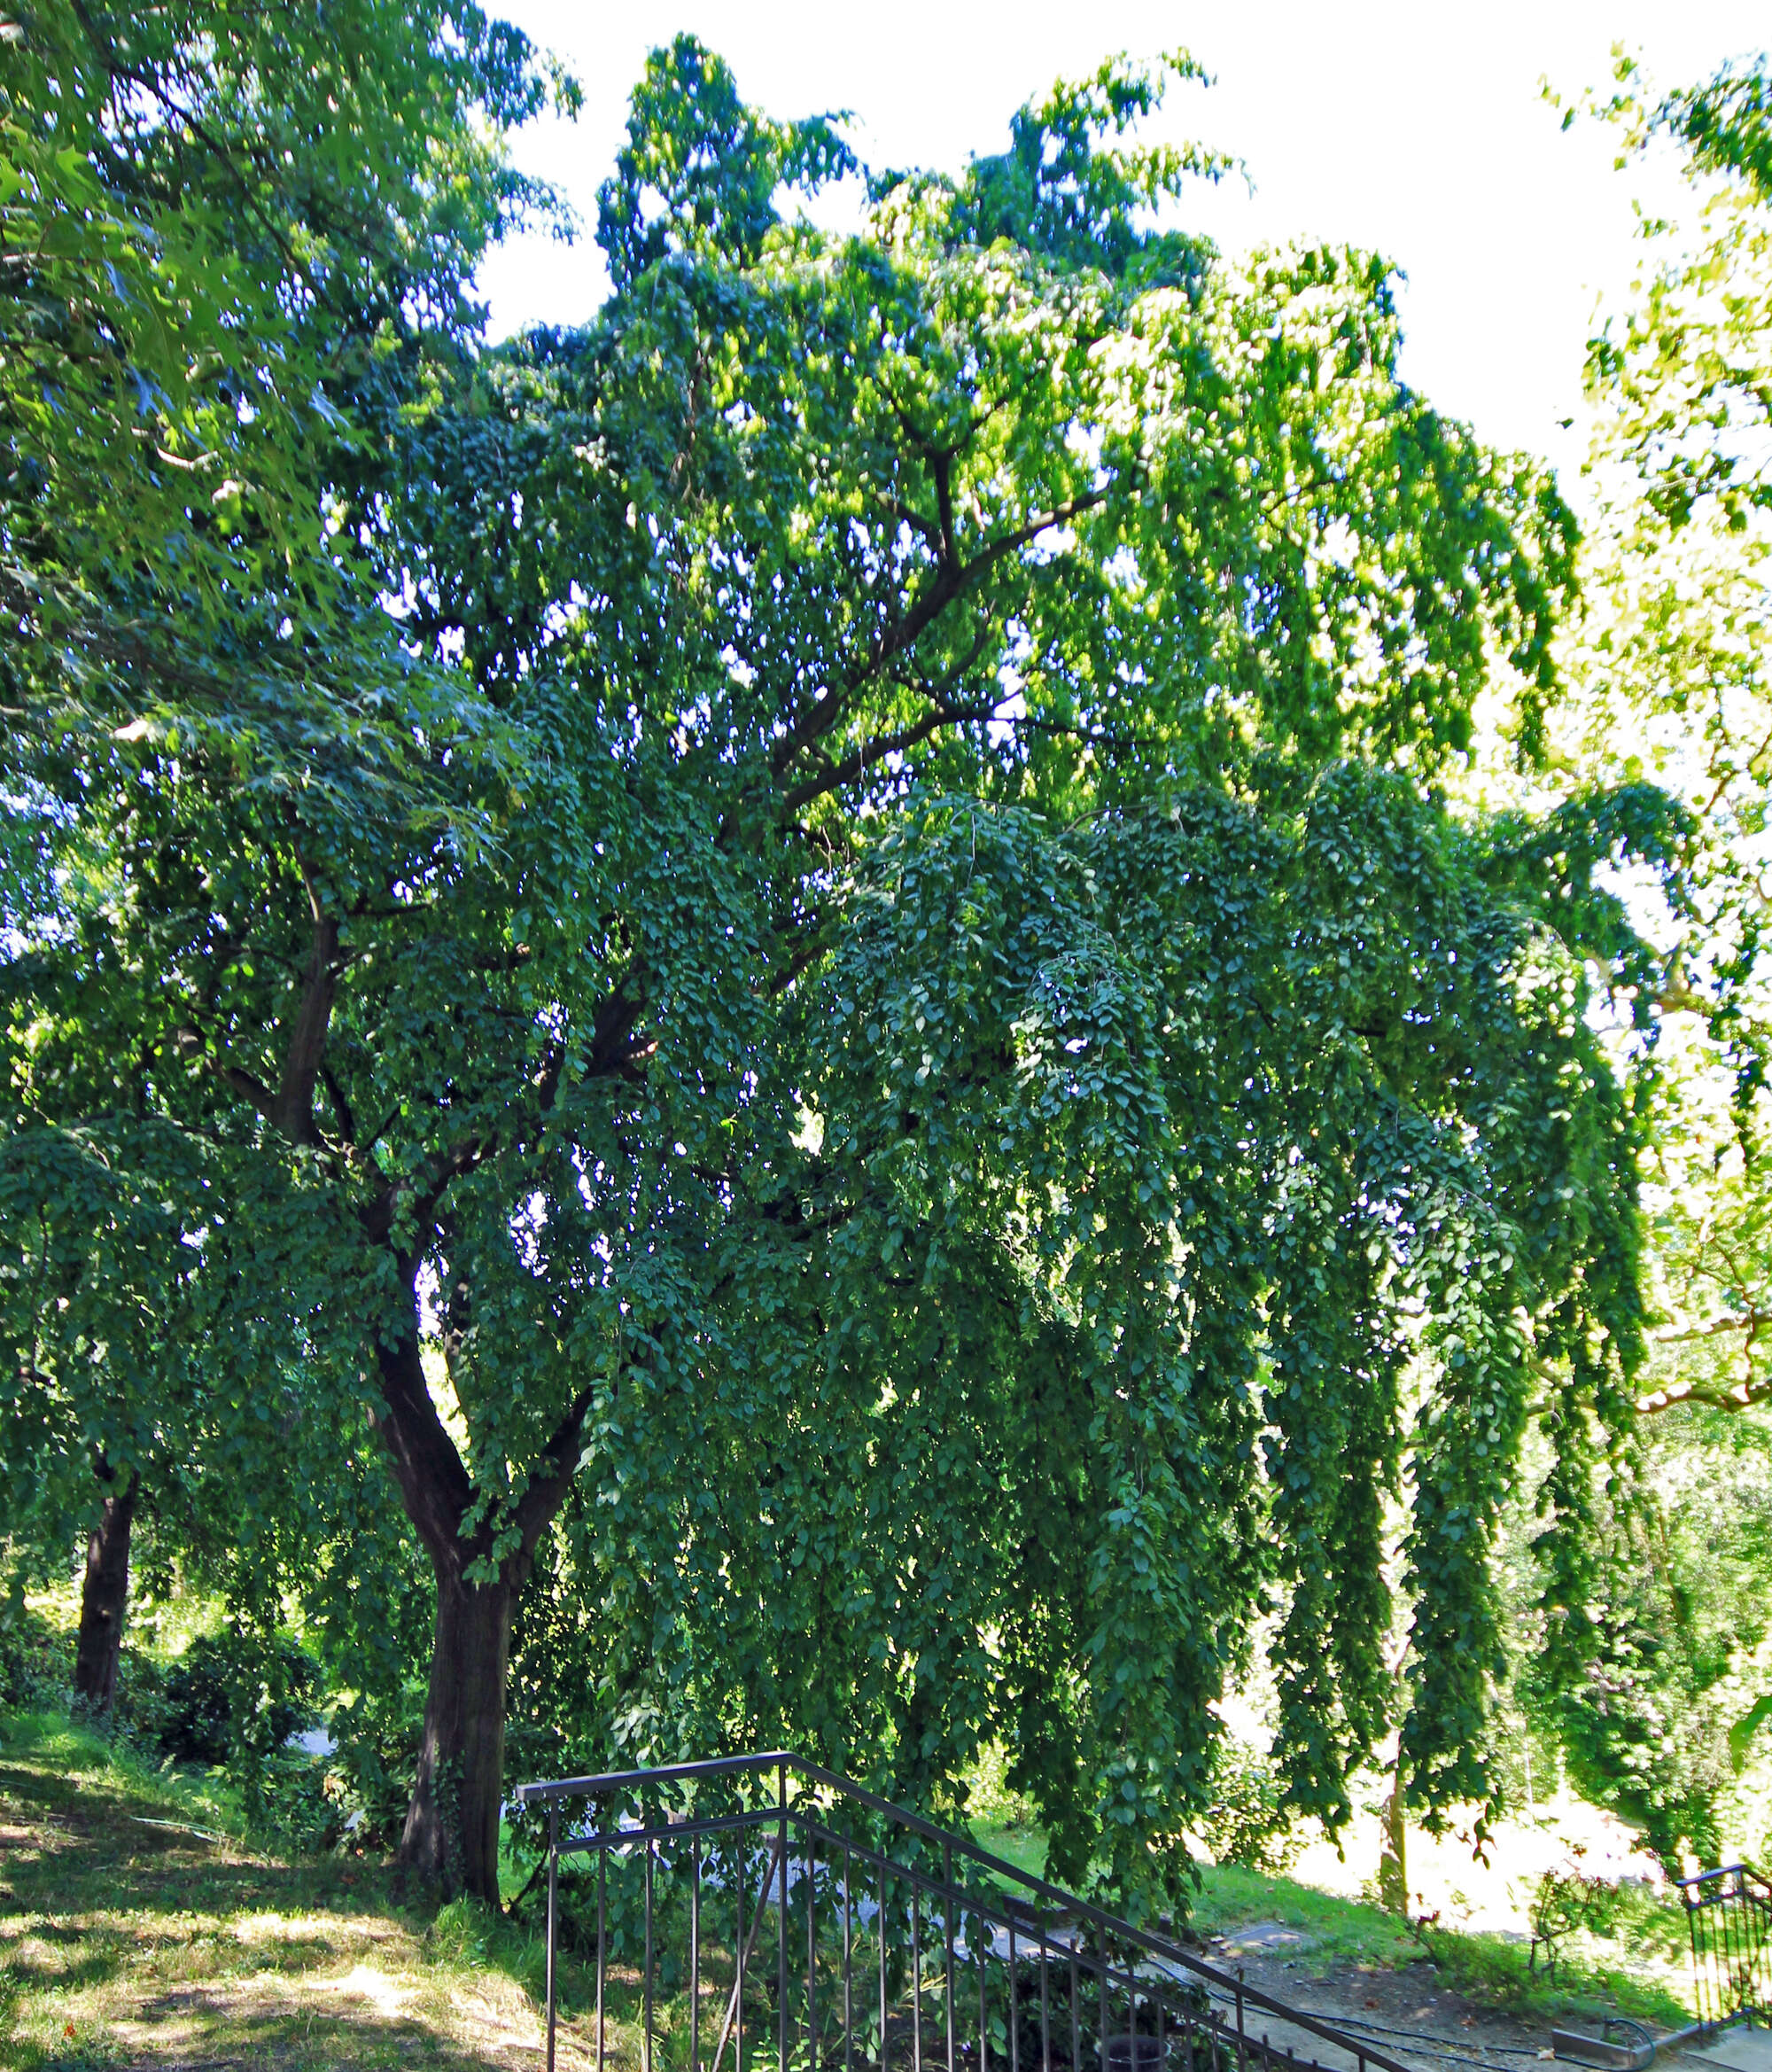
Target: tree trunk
1393, 1848
451, 1826
104, 1597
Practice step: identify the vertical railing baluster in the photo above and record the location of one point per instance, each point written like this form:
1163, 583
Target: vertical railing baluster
782, 1919
848, 1970
1076, 2008
984, 1954
553, 1914
696, 1953
1045, 2010
738, 1981
947, 1944
811, 1952
880, 1923
1107, 1990
916, 1981
1014, 2012
602, 1854
647, 2032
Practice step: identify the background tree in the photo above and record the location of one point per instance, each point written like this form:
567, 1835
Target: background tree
924, 1042
217, 222
1657, 1631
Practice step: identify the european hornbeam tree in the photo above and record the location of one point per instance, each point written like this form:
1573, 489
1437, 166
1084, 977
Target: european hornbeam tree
941, 1108
232, 238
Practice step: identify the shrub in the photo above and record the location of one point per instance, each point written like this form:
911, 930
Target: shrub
36, 1662
231, 1695
1249, 1821
376, 1756
299, 1803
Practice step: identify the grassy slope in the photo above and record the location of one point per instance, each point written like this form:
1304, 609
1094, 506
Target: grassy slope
136, 1928
128, 1936
1639, 1970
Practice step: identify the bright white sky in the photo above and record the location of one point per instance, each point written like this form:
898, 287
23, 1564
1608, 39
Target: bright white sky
1412, 127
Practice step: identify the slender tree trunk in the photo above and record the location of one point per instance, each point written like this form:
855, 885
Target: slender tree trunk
451, 1826
105, 1596
1393, 1848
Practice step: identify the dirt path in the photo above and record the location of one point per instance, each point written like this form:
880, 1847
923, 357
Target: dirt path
1408, 2012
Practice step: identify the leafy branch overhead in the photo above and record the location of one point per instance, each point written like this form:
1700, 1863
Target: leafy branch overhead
856, 1011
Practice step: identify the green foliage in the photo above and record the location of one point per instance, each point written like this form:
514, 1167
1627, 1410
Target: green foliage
1654, 1635
1064, 191
1248, 1818
889, 994
36, 1662
1726, 124
372, 1767
1669, 1640
228, 1693
700, 171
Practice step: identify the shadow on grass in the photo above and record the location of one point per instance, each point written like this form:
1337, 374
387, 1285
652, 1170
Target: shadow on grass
127, 1939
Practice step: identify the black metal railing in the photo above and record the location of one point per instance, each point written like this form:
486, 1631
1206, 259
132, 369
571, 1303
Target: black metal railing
1730, 1914
897, 1946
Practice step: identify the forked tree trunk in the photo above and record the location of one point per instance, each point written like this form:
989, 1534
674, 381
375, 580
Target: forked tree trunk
104, 1597
451, 1826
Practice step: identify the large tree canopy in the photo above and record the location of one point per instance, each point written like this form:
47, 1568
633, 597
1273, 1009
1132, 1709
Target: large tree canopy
955, 1107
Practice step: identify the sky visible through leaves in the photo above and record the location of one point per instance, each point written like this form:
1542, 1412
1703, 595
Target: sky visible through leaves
1418, 132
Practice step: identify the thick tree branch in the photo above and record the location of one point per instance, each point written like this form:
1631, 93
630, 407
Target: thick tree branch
293, 1110
870, 753
952, 581
420, 1198
434, 1486
552, 1475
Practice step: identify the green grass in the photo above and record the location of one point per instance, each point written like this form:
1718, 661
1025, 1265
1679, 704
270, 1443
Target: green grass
1017, 1842
135, 1927
138, 1927
1638, 1965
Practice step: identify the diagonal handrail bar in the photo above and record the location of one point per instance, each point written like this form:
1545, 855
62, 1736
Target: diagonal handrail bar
783, 1761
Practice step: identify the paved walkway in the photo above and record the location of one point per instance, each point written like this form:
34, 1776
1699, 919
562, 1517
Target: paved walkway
1737, 2050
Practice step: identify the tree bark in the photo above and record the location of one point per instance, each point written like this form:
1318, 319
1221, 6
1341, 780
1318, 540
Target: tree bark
451, 1826
1394, 1848
105, 1596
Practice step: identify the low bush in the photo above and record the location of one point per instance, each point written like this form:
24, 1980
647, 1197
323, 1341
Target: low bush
231, 1695
376, 1757
1247, 1821
36, 1661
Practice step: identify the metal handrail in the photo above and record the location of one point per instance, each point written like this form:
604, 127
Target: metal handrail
785, 1812
1729, 1917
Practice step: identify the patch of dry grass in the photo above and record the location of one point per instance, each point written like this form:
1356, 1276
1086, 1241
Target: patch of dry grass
131, 1938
